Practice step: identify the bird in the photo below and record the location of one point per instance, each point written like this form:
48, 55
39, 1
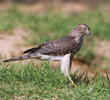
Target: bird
62, 49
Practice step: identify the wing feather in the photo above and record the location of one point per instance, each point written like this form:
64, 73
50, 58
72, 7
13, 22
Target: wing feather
60, 46
32, 50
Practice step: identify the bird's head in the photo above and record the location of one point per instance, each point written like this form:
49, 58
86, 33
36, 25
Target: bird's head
83, 29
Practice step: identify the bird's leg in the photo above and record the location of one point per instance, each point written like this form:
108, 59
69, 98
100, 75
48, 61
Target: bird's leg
70, 65
66, 63
72, 82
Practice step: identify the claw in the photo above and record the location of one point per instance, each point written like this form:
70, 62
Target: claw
74, 85
72, 82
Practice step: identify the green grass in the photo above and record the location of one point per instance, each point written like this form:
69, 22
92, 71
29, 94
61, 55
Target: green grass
54, 25
29, 82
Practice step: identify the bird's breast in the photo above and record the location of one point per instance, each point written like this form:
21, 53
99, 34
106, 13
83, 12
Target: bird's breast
77, 47
78, 39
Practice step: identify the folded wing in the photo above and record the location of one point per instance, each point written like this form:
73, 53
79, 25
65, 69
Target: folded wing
60, 46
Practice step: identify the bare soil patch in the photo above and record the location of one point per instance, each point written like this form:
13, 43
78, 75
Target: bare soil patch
57, 6
5, 5
103, 48
11, 45
42, 7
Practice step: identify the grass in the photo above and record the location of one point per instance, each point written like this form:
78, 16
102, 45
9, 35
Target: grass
27, 82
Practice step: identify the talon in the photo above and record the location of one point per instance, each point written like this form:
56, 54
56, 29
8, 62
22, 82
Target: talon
72, 82
74, 85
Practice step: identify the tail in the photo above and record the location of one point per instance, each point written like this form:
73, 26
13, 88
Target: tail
28, 56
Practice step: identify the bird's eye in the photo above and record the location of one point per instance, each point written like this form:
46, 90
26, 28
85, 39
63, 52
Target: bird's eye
85, 28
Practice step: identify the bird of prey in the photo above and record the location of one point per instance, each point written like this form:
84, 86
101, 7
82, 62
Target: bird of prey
61, 50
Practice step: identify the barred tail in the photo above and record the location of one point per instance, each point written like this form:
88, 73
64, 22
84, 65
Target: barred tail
21, 58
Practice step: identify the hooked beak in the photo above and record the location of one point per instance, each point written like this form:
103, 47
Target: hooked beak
89, 33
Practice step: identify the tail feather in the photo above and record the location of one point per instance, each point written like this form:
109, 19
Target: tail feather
15, 59
21, 58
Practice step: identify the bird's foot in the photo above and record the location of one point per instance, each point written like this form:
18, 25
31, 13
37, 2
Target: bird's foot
72, 82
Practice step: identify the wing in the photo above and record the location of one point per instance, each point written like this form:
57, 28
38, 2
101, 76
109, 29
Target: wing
32, 50
60, 46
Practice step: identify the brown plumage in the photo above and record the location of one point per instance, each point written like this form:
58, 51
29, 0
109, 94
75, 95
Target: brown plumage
58, 47
69, 44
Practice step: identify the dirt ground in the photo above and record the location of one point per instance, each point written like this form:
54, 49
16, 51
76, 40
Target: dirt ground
12, 45
42, 7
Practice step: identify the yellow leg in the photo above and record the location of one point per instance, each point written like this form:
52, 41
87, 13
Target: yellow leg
73, 84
